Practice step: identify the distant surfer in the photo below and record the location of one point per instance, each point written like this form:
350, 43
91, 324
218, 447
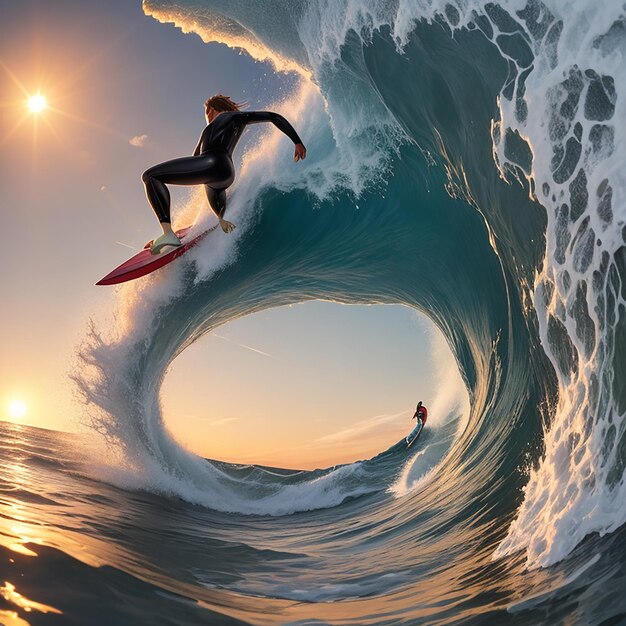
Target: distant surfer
421, 413
211, 164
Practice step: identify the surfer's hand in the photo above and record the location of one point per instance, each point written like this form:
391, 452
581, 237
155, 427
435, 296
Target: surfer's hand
227, 226
149, 244
300, 152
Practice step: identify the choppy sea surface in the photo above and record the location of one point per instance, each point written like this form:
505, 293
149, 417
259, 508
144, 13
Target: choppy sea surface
466, 160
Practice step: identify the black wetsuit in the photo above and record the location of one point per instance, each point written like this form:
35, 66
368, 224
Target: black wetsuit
211, 164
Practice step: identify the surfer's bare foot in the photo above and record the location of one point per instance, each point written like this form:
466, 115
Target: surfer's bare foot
227, 226
149, 244
166, 239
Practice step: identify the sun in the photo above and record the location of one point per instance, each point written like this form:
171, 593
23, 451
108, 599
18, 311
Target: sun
17, 409
37, 103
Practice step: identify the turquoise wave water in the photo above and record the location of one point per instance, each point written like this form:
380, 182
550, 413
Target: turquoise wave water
465, 160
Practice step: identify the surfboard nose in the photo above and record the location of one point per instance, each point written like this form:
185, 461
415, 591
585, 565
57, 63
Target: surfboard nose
144, 262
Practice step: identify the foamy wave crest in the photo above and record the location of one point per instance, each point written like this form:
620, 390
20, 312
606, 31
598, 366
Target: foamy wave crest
565, 109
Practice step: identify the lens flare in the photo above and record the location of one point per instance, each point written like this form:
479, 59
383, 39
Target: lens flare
37, 103
17, 409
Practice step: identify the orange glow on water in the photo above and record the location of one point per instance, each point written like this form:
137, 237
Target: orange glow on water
11, 618
9, 593
21, 549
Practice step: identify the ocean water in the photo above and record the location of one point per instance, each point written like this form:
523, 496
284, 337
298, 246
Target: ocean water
467, 159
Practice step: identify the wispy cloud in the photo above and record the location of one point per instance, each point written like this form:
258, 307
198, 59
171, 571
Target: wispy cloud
223, 421
126, 245
362, 438
365, 427
138, 141
243, 345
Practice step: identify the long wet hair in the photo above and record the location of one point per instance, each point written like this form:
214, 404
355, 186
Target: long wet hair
220, 103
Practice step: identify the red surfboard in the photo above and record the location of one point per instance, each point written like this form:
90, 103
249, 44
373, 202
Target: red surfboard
145, 262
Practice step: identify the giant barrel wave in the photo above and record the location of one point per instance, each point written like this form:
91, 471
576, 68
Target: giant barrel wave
466, 160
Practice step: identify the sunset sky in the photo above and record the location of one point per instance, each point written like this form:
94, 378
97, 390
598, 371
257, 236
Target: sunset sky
125, 92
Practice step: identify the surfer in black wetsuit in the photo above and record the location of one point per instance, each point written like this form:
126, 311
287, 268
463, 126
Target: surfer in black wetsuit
211, 164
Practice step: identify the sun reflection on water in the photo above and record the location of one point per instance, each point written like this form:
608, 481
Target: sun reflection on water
11, 618
20, 548
9, 593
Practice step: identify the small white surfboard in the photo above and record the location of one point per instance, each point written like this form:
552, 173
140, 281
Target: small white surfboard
412, 437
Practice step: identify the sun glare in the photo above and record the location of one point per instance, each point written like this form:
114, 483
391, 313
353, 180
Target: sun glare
37, 103
17, 409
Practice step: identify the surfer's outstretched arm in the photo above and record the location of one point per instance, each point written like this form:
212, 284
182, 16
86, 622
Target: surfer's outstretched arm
256, 117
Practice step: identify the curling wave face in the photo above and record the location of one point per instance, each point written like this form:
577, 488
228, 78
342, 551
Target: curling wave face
464, 159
